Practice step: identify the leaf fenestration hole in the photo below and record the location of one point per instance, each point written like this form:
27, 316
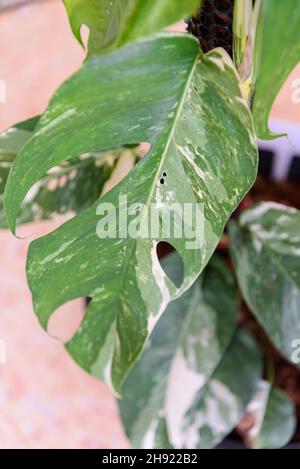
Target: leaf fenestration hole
66, 320
171, 262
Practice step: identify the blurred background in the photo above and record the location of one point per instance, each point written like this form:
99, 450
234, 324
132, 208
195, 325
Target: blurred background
47, 401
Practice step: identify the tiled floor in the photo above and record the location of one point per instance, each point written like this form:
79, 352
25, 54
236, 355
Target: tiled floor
46, 401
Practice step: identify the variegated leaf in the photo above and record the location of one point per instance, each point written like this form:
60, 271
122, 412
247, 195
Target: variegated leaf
274, 418
223, 400
183, 352
192, 111
265, 247
112, 23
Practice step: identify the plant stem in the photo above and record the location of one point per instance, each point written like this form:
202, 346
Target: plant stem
270, 371
241, 27
249, 65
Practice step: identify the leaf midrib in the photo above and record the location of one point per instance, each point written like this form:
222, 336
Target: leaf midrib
171, 134
133, 242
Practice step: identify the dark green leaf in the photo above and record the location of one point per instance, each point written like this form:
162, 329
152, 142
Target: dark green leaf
159, 91
278, 52
265, 247
29, 124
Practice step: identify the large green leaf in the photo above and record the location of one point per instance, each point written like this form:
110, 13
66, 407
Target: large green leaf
183, 351
278, 52
265, 247
114, 22
191, 109
70, 188
274, 418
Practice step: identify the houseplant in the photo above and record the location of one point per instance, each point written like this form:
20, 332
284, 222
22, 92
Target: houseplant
201, 114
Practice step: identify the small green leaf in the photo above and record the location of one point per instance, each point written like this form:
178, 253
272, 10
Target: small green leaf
160, 91
189, 367
274, 418
265, 247
112, 23
278, 51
